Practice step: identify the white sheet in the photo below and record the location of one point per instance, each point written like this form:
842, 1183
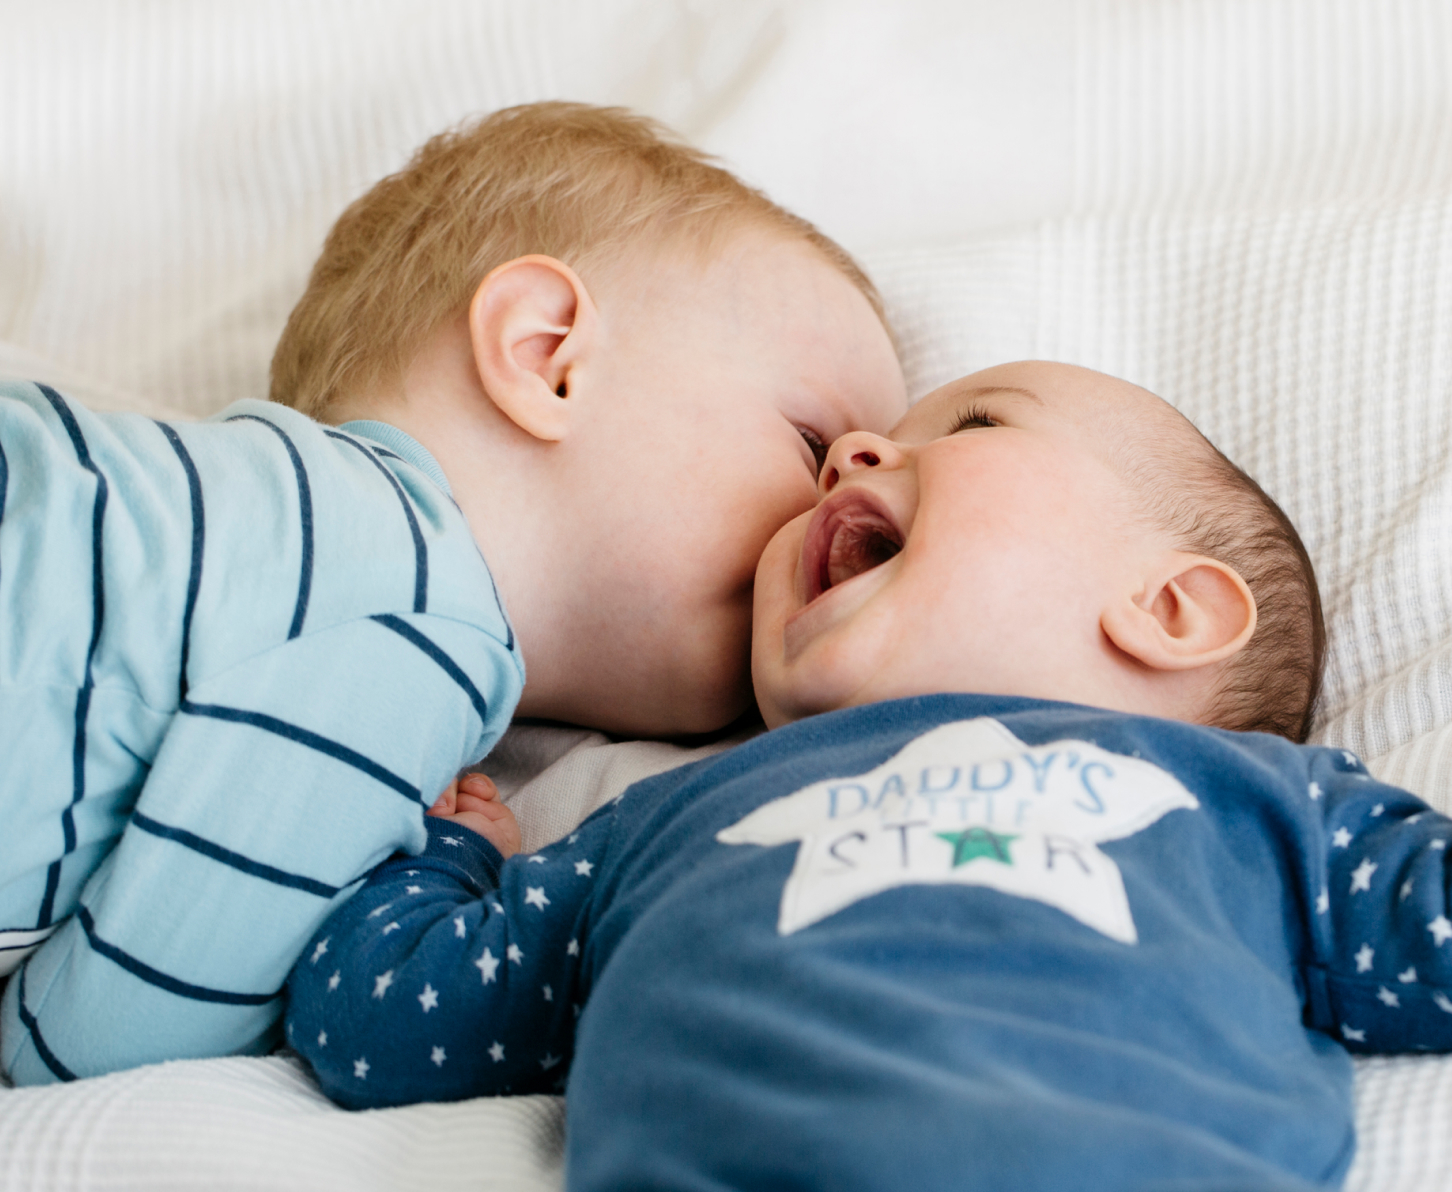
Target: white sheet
1245, 205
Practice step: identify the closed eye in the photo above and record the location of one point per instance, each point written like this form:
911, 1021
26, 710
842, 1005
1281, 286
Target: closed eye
816, 445
971, 418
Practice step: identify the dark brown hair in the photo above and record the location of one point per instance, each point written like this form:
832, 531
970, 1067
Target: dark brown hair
1214, 508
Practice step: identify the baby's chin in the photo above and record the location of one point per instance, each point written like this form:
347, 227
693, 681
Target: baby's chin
787, 691
774, 698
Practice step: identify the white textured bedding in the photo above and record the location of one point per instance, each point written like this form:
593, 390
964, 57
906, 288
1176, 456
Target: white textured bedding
1245, 205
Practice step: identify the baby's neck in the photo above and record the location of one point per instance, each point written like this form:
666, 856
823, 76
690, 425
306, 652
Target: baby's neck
501, 485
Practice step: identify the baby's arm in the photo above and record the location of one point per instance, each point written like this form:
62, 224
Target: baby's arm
450, 975
1382, 918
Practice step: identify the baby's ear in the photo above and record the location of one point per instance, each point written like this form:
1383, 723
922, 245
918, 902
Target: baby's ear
1193, 612
531, 321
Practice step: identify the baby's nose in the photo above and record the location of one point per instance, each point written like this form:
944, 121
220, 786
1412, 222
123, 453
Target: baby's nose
854, 451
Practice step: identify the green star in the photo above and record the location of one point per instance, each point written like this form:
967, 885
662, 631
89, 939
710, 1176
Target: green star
978, 842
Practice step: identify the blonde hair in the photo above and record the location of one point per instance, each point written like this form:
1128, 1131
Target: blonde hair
579, 183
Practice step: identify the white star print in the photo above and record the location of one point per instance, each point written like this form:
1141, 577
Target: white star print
487, 964
1352, 1036
320, 949
536, 859
1314, 790
1412, 819
549, 1061
583, 868
496, 1053
535, 896
1439, 845
322, 1038
574, 836
378, 910
549, 994
1444, 1003
411, 872
1406, 978
1350, 757
496, 908
413, 889
1363, 958
451, 840
360, 1069
1341, 838
1361, 875
1406, 889
1388, 998
458, 926
391, 927
1378, 809
1323, 902
429, 998
1441, 930
381, 983
438, 1056
572, 948
513, 953
335, 980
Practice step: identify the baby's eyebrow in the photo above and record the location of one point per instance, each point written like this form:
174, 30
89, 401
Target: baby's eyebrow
986, 390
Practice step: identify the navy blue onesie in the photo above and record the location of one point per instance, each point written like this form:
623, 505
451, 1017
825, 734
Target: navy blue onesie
953, 941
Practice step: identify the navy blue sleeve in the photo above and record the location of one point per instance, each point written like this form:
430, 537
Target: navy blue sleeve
451, 974
1381, 922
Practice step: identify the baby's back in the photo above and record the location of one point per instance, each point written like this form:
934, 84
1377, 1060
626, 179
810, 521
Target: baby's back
191, 609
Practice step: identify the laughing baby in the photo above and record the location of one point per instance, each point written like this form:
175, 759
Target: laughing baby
1032, 885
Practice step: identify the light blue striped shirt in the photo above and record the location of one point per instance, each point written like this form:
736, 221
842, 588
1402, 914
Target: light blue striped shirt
238, 660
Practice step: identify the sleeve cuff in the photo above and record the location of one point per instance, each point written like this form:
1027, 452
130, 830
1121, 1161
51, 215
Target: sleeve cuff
464, 849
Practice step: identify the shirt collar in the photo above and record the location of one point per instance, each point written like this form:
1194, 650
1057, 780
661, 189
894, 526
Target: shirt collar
404, 446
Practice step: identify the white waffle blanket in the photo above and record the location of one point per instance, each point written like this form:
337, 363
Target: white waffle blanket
1245, 205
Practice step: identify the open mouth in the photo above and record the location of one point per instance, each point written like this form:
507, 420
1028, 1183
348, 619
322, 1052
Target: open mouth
850, 535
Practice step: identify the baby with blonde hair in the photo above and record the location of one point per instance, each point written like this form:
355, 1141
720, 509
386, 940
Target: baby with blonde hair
555, 385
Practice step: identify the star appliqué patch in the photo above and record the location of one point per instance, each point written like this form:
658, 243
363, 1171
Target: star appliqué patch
969, 804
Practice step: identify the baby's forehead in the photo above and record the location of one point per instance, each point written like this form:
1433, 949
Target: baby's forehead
1099, 409
1136, 436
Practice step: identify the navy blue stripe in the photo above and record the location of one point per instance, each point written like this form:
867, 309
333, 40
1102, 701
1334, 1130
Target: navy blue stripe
194, 579
499, 604
52, 884
420, 547
310, 739
58, 1069
450, 667
198, 993
305, 507
78, 764
237, 861
98, 616
4, 480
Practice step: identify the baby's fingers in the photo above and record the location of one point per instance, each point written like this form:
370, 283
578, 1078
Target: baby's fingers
447, 803
481, 786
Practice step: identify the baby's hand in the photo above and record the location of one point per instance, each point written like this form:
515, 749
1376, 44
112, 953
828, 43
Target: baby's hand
473, 801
